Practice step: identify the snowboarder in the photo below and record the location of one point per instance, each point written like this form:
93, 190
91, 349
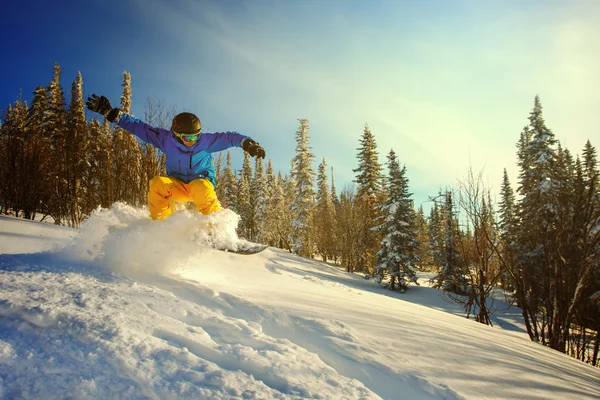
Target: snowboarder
190, 171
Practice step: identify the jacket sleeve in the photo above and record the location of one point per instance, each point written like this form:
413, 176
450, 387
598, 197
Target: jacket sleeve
220, 141
147, 133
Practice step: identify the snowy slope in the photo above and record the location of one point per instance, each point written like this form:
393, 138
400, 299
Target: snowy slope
141, 309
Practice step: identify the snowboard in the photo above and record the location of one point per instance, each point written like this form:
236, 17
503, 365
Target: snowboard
242, 247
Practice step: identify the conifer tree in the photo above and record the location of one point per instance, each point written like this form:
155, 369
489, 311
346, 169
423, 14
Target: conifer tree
218, 165
324, 221
537, 216
436, 236
451, 276
334, 196
369, 197
396, 255
54, 127
590, 167
243, 201
76, 147
257, 200
13, 159
348, 230
97, 164
270, 187
422, 252
507, 210
277, 227
228, 186
303, 204
127, 156
508, 226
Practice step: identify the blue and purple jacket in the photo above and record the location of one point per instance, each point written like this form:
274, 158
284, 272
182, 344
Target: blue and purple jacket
183, 162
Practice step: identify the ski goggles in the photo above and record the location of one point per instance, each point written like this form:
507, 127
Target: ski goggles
187, 137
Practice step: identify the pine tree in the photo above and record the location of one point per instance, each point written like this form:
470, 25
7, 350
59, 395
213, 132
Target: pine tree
537, 215
76, 147
396, 255
507, 208
270, 188
324, 221
451, 276
303, 204
13, 160
95, 192
508, 226
334, 195
369, 197
54, 126
228, 186
422, 252
37, 123
258, 190
127, 156
590, 167
348, 230
277, 228
244, 203
436, 236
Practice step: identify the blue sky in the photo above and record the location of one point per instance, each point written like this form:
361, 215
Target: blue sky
446, 84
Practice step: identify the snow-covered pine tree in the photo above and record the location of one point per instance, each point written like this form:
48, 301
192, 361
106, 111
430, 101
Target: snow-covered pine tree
37, 123
76, 150
127, 156
277, 226
537, 217
369, 195
96, 164
304, 201
507, 210
218, 165
436, 236
588, 217
14, 161
270, 181
228, 186
244, 203
508, 225
450, 276
324, 220
54, 127
270, 188
348, 230
334, 195
108, 177
258, 189
422, 253
396, 255
590, 167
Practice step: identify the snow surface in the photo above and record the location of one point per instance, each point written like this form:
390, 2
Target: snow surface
139, 309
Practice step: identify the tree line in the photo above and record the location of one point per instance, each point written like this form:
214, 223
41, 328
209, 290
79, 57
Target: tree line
541, 243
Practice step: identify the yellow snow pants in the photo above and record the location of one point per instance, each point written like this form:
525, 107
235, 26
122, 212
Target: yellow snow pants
163, 190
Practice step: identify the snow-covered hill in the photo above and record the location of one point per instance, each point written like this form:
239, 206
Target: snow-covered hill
137, 309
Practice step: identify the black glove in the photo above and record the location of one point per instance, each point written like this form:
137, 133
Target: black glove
102, 106
253, 148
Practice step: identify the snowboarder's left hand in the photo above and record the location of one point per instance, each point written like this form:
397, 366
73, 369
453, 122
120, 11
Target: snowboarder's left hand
253, 148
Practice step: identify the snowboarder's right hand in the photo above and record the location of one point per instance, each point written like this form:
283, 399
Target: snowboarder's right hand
101, 105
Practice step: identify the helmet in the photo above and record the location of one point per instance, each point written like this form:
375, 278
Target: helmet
186, 122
